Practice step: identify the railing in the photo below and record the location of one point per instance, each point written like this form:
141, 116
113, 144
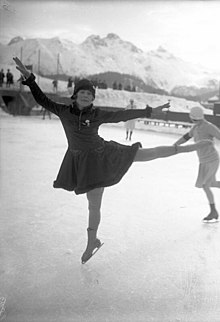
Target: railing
176, 124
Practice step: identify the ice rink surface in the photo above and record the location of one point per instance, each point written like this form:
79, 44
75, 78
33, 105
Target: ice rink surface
159, 262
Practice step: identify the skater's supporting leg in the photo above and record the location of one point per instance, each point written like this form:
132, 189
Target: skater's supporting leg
213, 213
166, 151
208, 193
94, 204
94, 200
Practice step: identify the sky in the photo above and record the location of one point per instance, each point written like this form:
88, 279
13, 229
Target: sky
187, 29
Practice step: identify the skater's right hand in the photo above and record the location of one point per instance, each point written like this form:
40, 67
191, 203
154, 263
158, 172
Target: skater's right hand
21, 67
161, 108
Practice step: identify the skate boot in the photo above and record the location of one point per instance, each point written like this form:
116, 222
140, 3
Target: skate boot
212, 217
93, 245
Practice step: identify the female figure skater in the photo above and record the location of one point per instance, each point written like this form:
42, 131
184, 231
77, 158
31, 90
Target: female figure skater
91, 163
208, 157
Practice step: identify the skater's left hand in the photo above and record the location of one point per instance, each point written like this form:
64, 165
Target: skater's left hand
23, 70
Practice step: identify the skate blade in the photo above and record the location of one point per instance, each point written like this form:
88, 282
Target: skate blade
212, 221
93, 253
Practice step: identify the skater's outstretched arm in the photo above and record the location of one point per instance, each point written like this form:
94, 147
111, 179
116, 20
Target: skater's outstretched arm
39, 96
125, 115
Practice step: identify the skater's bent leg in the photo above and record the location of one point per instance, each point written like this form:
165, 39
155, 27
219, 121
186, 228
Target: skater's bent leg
94, 204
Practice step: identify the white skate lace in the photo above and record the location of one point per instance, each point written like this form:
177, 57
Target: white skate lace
2, 306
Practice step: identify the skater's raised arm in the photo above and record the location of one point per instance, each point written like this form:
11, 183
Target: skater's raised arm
39, 96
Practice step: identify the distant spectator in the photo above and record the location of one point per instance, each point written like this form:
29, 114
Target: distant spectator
9, 78
70, 85
115, 85
2, 76
120, 86
55, 85
130, 124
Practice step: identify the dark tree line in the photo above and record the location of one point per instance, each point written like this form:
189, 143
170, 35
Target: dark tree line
103, 84
118, 86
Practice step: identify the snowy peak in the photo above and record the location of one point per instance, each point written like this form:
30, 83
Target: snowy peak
15, 40
110, 41
114, 40
94, 41
161, 49
162, 53
113, 36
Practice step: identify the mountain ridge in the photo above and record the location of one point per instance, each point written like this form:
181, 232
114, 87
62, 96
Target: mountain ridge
158, 69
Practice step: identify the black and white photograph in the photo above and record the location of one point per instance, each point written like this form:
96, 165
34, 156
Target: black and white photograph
109, 161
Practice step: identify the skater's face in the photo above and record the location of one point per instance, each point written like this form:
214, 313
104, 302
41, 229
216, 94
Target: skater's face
84, 98
195, 121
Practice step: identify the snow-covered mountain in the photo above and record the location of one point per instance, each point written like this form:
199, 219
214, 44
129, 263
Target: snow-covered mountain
158, 69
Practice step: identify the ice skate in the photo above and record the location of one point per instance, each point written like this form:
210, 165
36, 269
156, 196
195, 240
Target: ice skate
91, 250
211, 218
93, 245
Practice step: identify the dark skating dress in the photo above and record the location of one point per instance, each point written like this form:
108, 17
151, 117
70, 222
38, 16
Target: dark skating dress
90, 162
